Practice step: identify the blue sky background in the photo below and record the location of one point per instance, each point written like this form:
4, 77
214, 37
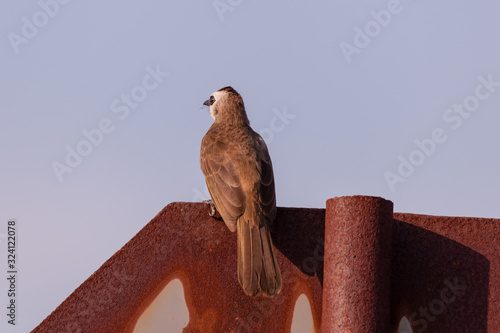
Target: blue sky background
349, 118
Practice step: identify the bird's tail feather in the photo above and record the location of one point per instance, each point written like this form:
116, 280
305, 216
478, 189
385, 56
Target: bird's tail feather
258, 270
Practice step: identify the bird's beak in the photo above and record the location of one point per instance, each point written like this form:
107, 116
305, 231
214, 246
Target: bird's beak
207, 102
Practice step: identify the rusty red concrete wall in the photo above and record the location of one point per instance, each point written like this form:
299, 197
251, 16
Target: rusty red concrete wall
445, 272
183, 242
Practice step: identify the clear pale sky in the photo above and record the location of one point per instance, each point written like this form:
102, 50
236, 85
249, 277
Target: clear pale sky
398, 99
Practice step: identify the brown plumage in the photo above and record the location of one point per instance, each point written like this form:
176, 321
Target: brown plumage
239, 176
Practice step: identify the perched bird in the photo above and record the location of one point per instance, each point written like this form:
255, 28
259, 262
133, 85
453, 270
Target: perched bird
239, 177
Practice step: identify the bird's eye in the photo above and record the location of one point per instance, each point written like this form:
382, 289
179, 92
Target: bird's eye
212, 100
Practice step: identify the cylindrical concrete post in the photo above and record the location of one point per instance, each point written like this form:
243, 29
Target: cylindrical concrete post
357, 268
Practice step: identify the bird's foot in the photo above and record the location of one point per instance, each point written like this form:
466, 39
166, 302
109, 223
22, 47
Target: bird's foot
213, 211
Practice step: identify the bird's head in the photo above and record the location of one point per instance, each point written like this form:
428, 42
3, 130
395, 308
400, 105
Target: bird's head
227, 106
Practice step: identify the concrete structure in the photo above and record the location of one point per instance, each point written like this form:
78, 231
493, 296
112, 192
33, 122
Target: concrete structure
373, 268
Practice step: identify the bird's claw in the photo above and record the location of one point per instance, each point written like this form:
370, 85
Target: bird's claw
213, 211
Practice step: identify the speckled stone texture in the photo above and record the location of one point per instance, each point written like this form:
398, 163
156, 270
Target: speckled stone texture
446, 273
443, 274
183, 242
357, 270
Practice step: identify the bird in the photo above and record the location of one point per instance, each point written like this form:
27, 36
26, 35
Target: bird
239, 176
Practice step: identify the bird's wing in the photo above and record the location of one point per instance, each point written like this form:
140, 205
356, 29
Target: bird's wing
267, 192
223, 181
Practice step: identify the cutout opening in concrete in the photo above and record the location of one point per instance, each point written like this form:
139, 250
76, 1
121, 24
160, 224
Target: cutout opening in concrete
167, 313
302, 321
404, 326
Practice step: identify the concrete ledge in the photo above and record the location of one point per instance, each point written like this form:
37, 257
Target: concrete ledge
429, 254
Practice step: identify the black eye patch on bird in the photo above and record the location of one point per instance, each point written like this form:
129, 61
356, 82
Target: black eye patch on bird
210, 101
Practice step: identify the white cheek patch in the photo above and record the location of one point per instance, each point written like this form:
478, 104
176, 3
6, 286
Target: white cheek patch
217, 95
